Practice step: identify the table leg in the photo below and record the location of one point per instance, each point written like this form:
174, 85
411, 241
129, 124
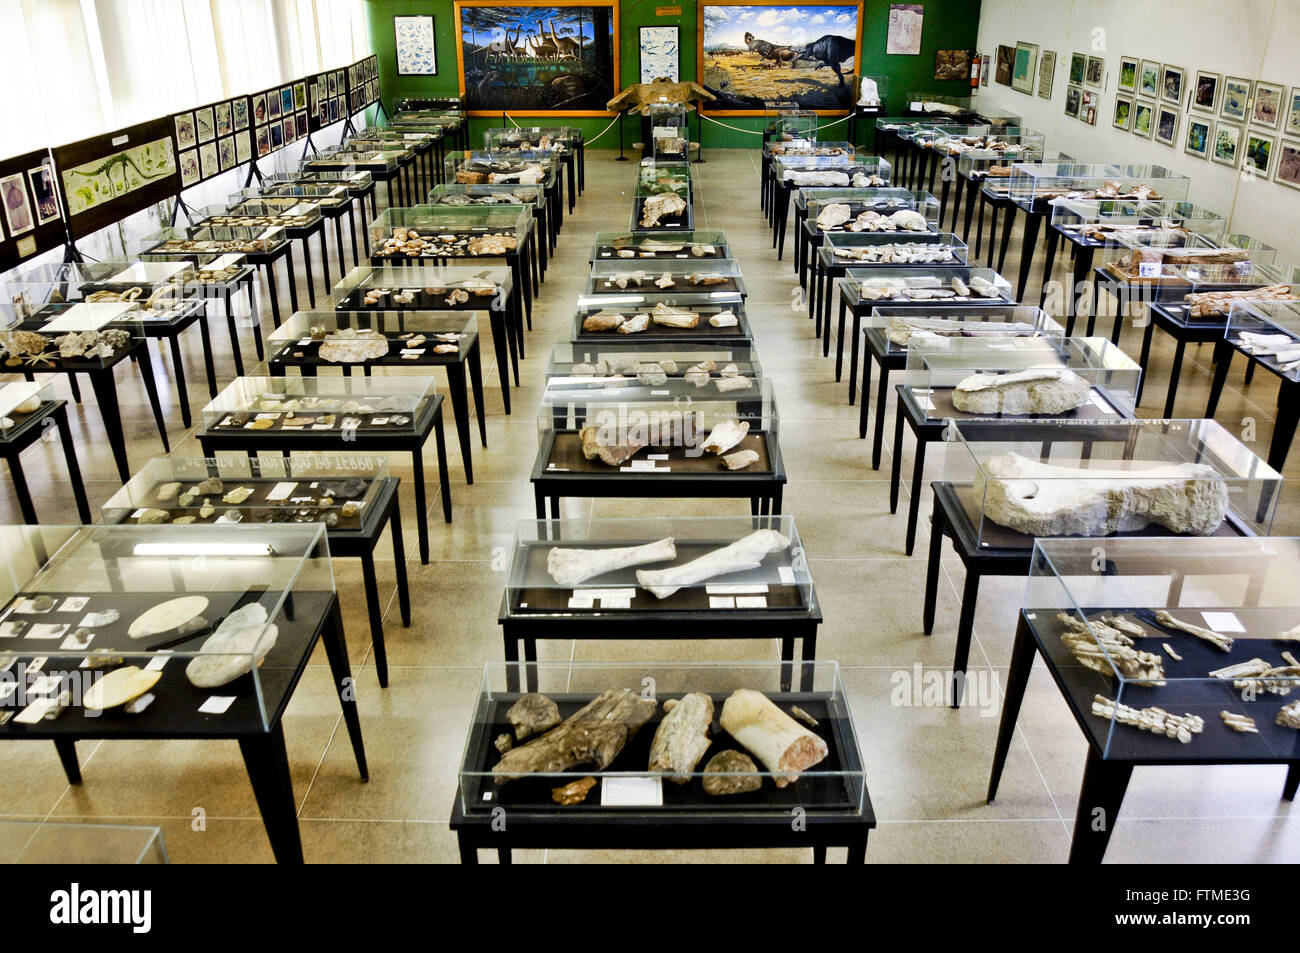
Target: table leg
1222, 362
1104, 784
182, 394
468, 852
74, 470
914, 504
268, 771
1175, 369
399, 561
857, 852
1145, 356
970, 212
67, 749
273, 294
293, 285
863, 415
338, 247
474, 360
375, 616
444, 480
460, 410
1292, 781
421, 505
1053, 237
151, 389
1032, 221
25, 505
965, 626
336, 651
1284, 424
896, 465
993, 233
1082, 266
209, 367
932, 566
877, 443
1022, 661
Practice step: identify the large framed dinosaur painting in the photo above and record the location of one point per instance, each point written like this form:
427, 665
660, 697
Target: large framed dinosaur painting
537, 59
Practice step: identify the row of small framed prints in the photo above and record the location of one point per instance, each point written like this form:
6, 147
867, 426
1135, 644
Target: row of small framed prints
1230, 97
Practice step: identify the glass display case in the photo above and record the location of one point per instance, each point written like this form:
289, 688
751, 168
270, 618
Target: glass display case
1035, 184
344, 405
285, 195
921, 322
680, 360
648, 245
422, 288
1013, 143
416, 338
712, 316
484, 193
1163, 255
994, 169
838, 169
1172, 649
671, 276
786, 121
354, 181
532, 138
391, 146
21, 402
196, 240
343, 159
46, 842
1009, 378
883, 285
892, 249
155, 628
1203, 295
1020, 479
1098, 222
803, 147
335, 491
448, 231
874, 210
258, 214
768, 564
832, 786
872, 90
647, 422
1268, 331
515, 168
670, 143
161, 287
658, 178
80, 336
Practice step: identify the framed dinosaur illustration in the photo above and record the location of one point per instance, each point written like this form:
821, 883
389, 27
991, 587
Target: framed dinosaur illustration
536, 59
106, 178
755, 52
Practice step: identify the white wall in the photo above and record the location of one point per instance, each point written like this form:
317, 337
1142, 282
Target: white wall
1253, 39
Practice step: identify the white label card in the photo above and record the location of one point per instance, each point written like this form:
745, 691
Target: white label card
656, 456
217, 704
751, 602
616, 602
722, 602
1223, 621
736, 589
34, 712
632, 792
785, 574
281, 491
576, 603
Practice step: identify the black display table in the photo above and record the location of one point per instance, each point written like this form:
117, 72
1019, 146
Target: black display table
25, 432
1287, 415
360, 440
1171, 316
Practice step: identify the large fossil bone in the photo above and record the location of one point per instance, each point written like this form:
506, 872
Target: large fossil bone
593, 735
744, 554
901, 329
569, 566
1043, 499
1257, 675
725, 435
612, 454
1055, 390
833, 215
783, 745
682, 737
1217, 639
657, 206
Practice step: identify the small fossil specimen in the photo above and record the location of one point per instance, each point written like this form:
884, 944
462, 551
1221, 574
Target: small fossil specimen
634, 324
1288, 716
1217, 639
731, 772
1155, 720
575, 792
1242, 723
725, 435
740, 459
682, 736
1104, 648
532, 714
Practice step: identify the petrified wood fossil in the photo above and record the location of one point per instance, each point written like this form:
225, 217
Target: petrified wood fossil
1056, 390
1155, 720
1207, 304
569, 566
1217, 639
682, 736
532, 714
744, 554
593, 735
1043, 499
783, 745
613, 454
674, 318
731, 772
1104, 646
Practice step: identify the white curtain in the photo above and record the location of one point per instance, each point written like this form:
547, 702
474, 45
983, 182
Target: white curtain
90, 66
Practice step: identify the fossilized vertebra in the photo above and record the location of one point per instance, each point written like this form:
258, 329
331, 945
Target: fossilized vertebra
1156, 720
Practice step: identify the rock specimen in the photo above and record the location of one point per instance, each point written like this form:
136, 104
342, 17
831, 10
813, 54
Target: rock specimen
594, 446
153, 515
652, 375
531, 715
733, 382
575, 792
783, 745
833, 215
241, 642
740, 459
1211, 304
823, 178
119, 687
238, 495
168, 491
634, 324
593, 735
673, 318
569, 566
724, 319
166, 616
725, 435
657, 207
209, 487
900, 253
603, 321
352, 346
1056, 390
1155, 720
682, 737
1043, 499
744, 554
731, 772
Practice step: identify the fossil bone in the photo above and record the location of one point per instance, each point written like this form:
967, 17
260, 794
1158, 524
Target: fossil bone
724, 319
1169, 650
612, 454
1056, 390
740, 459
725, 435
658, 206
783, 745
1217, 639
742, 555
673, 318
833, 215
569, 566
241, 642
735, 382
1044, 499
1257, 675
593, 735
532, 714
731, 772
901, 329
635, 324
575, 792
1156, 720
1241, 723
682, 736
1288, 716
1104, 648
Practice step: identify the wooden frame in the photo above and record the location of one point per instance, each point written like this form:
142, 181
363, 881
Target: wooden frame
459, 5
699, 46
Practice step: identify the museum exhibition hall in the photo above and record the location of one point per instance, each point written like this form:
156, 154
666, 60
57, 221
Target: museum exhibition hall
468, 431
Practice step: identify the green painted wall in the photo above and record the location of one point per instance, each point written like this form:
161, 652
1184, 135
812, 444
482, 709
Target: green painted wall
949, 24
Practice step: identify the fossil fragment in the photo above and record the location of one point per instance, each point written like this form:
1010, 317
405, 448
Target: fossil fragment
1169, 650
900, 329
724, 319
1104, 648
457, 296
725, 435
1055, 390
803, 716
166, 616
665, 280
1217, 639
569, 566
682, 737
207, 509
503, 742
731, 772
833, 215
635, 324
209, 487
1240, 723
241, 643
651, 375
575, 792
1288, 716
659, 206
744, 554
740, 459
351, 346
602, 321
1258, 676
168, 491
823, 178
1218, 303
593, 735
902, 253
983, 287
674, 318
532, 714
784, 746
153, 515
1155, 720
119, 687
238, 495
703, 251
594, 446
1044, 499
727, 384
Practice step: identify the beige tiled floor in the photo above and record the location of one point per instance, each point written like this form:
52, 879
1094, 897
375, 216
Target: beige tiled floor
927, 766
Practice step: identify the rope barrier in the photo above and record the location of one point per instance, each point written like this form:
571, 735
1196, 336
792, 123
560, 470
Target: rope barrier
752, 132
586, 142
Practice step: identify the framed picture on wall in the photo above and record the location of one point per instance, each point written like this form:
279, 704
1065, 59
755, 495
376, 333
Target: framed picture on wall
1205, 93
1166, 128
1006, 62
413, 38
952, 64
1267, 108
1292, 124
1171, 84
1226, 140
903, 36
1128, 74
1088, 107
1072, 96
1236, 98
660, 50
1144, 116
1259, 153
17, 205
750, 54
1046, 73
1023, 68
1288, 164
985, 60
1096, 71
1149, 79
1078, 67
1123, 116
1197, 142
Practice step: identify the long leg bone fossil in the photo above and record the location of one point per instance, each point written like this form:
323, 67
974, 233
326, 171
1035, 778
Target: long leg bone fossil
1217, 639
783, 745
568, 566
746, 553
